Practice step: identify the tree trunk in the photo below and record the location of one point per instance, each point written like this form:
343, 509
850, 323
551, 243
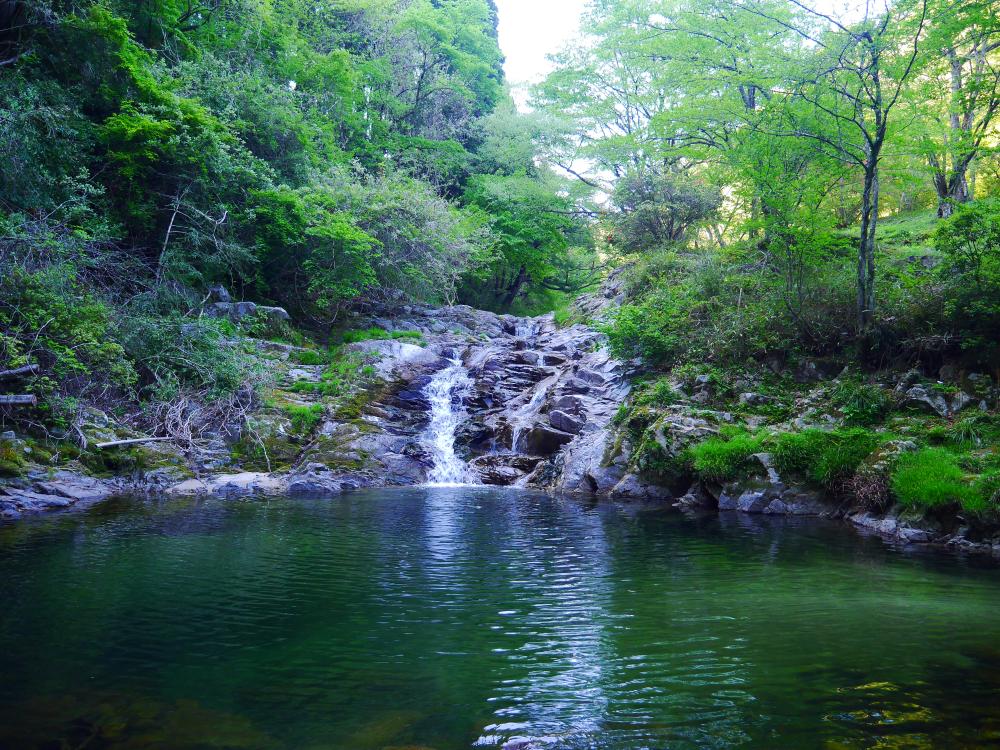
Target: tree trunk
515, 289
952, 192
18, 400
866, 250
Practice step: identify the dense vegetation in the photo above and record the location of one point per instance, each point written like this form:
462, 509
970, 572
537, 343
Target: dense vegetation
792, 193
312, 155
788, 197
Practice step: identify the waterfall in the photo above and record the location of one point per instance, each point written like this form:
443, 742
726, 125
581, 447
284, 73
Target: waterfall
446, 416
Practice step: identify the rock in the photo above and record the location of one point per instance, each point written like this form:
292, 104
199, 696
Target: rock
232, 486
542, 440
961, 401
923, 398
632, 487
753, 501
219, 293
495, 470
567, 422
907, 381
754, 399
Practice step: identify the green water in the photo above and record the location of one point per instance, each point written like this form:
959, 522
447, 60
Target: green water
458, 618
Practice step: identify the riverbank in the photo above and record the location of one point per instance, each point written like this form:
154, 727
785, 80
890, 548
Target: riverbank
540, 403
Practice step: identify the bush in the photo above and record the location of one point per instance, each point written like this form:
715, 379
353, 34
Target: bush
930, 478
658, 394
826, 458
726, 457
305, 417
862, 405
970, 240
176, 354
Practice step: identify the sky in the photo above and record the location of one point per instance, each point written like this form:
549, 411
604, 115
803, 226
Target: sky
532, 29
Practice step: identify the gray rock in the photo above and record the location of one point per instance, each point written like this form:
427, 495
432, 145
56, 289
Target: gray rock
961, 401
542, 440
923, 398
567, 422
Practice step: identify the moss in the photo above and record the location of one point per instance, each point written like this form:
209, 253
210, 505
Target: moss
726, 457
115, 462
309, 357
12, 463
380, 334
652, 462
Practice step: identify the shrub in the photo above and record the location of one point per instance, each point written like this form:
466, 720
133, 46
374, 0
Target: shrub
970, 240
305, 417
177, 354
726, 457
309, 357
930, 478
826, 458
660, 393
863, 405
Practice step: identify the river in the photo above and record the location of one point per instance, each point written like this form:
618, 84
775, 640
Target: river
459, 617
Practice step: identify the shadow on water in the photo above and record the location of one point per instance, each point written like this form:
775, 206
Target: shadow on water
475, 617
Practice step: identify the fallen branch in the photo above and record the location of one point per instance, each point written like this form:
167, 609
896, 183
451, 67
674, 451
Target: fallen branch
19, 372
18, 400
136, 441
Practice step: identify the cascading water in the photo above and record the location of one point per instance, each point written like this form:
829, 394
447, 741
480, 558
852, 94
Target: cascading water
446, 416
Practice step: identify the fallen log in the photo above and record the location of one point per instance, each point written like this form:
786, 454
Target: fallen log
18, 400
19, 372
135, 441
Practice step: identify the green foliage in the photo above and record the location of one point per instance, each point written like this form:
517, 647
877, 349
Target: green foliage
309, 357
970, 240
827, 458
305, 417
660, 393
175, 354
930, 478
726, 457
654, 209
380, 334
862, 404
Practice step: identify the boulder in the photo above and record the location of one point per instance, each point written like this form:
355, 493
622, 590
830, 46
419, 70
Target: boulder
542, 440
567, 422
923, 398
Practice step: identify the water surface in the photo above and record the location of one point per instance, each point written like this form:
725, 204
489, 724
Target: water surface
457, 617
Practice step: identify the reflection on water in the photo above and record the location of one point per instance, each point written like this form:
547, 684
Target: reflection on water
470, 617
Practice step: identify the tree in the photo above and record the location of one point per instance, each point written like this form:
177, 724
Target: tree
851, 79
654, 209
961, 91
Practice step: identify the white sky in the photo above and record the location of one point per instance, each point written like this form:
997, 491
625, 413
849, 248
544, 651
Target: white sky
532, 29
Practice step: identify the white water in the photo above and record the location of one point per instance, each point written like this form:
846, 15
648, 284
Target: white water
442, 392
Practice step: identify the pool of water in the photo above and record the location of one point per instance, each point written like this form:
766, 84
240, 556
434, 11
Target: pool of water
458, 617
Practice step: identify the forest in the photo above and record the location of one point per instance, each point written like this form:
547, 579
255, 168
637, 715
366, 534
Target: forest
307, 155
769, 181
